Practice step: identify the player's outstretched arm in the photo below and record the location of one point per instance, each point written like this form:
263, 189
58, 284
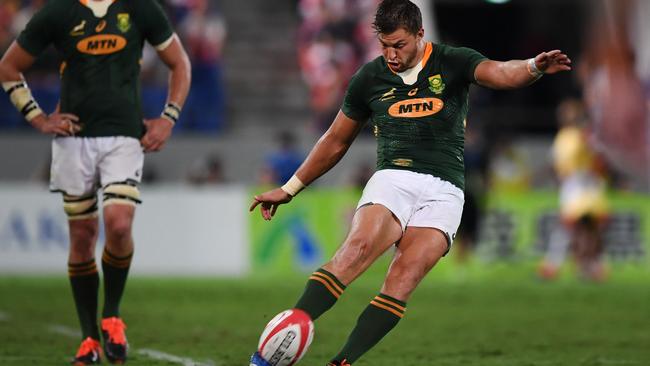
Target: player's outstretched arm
160, 129
14, 62
519, 73
328, 151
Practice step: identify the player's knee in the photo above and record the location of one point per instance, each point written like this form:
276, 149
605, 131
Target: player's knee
83, 250
121, 193
407, 275
83, 236
80, 207
400, 285
84, 232
118, 227
354, 253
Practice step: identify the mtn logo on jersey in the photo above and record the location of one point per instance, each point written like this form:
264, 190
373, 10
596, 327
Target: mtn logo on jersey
417, 107
101, 44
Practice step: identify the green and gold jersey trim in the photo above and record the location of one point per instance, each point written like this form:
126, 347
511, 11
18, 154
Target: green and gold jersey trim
428, 49
99, 8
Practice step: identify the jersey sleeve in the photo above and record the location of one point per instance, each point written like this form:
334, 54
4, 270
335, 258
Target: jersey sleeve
355, 105
40, 31
465, 60
153, 21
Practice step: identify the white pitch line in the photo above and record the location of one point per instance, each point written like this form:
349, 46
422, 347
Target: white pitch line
615, 362
162, 356
65, 331
147, 352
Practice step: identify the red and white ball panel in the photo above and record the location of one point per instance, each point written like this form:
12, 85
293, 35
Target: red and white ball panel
286, 338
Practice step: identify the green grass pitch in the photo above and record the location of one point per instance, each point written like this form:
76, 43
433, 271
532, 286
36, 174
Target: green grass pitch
490, 317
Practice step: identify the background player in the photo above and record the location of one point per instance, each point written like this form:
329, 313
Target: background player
583, 202
100, 137
416, 98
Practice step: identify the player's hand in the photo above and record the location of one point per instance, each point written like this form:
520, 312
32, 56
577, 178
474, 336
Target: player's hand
269, 202
63, 124
158, 132
553, 62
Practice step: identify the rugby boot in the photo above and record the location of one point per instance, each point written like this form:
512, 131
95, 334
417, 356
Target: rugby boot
115, 343
257, 360
88, 353
342, 363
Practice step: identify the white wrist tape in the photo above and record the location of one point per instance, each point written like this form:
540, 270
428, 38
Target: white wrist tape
172, 112
21, 97
533, 70
293, 186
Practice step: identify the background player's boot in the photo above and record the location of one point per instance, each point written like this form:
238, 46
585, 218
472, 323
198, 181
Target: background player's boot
257, 360
115, 343
88, 353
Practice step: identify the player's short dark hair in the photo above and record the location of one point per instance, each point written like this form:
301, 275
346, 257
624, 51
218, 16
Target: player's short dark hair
394, 14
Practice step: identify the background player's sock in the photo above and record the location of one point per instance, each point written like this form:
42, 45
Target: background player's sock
321, 292
382, 315
84, 281
116, 271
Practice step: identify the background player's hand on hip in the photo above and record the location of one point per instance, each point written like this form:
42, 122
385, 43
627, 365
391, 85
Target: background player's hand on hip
158, 131
63, 124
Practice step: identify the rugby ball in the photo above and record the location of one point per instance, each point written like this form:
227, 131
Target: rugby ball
286, 338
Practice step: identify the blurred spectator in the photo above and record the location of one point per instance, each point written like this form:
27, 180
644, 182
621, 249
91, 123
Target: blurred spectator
14, 15
208, 170
614, 92
8, 10
583, 202
199, 25
334, 39
282, 163
22, 17
203, 30
508, 168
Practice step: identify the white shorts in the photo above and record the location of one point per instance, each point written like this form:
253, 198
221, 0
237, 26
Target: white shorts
81, 165
416, 199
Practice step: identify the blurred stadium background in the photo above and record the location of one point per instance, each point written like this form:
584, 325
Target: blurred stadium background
268, 77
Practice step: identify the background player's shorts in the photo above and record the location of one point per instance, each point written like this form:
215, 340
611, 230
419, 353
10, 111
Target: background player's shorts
80, 165
416, 199
583, 194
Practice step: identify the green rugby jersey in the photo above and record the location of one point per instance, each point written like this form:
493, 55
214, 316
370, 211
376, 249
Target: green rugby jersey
419, 127
101, 70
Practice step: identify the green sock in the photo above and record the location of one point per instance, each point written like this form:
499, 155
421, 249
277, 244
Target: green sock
382, 315
321, 292
116, 271
84, 281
